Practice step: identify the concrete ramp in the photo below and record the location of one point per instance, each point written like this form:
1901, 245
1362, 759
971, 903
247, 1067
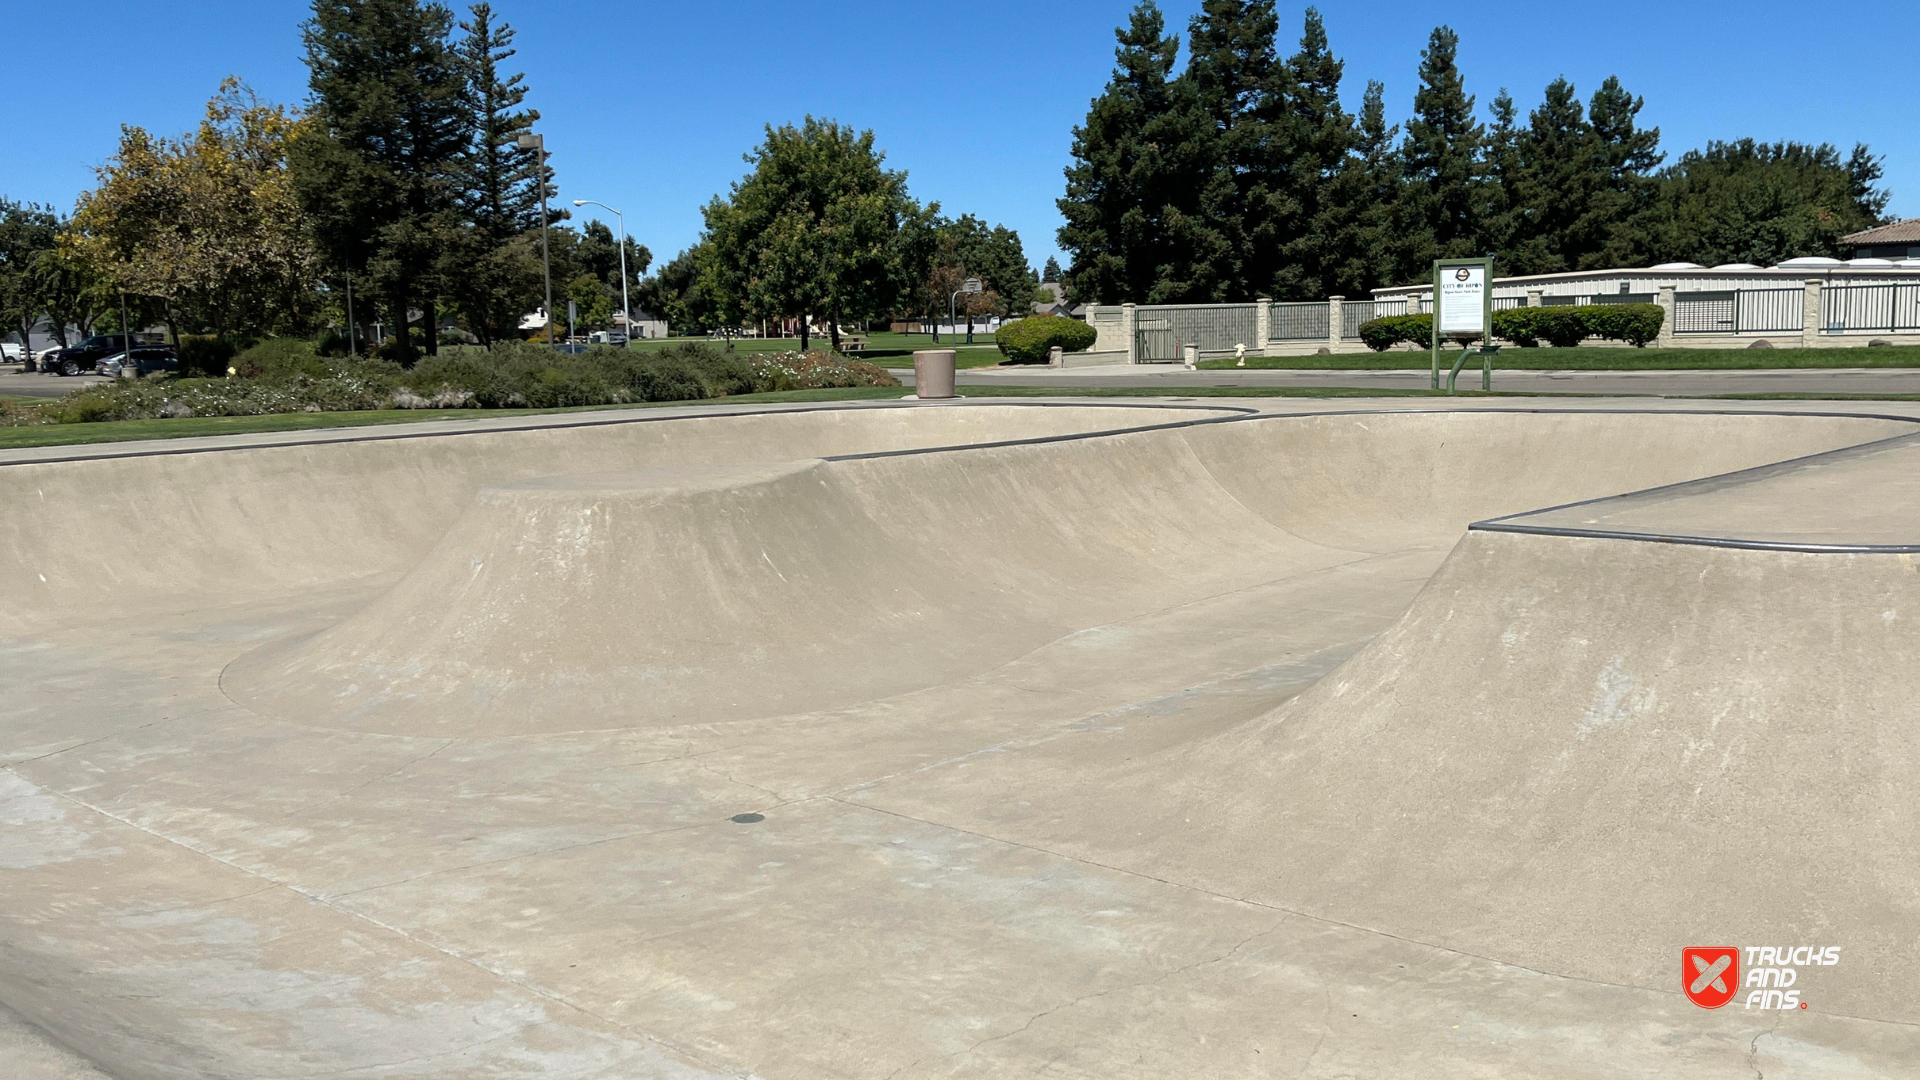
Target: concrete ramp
1580, 753
969, 741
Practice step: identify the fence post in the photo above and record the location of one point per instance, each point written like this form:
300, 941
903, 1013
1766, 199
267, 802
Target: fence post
1533, 297
1810, 314
1128, 326
1665, 340
1262, 323
1334, 321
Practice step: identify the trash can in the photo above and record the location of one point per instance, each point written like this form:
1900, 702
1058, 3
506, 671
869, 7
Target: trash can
933, 373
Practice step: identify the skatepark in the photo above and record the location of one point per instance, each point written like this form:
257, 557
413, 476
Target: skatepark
1236, 737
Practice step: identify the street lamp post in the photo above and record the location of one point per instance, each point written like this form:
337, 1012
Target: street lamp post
530, 141
970, 286
626, 313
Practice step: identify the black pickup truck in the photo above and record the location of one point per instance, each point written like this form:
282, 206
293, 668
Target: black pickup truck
84, 357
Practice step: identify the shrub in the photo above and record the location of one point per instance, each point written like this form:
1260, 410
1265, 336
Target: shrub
1389, 330
1636, 324
1031, 340
280, 358
205, 354
1517, 326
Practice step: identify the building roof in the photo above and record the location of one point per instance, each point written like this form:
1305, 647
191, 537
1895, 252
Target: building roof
1899, 232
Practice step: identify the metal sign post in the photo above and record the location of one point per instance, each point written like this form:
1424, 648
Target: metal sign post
1462, 304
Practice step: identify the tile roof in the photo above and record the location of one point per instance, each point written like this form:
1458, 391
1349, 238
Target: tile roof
1899, 232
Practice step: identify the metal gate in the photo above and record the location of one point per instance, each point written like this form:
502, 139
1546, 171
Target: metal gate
1161, 332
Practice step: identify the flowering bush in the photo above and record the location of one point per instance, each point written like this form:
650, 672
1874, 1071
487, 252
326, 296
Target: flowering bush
814, 370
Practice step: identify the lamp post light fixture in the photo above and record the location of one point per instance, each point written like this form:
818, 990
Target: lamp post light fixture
530, 141
971, 286
626, 313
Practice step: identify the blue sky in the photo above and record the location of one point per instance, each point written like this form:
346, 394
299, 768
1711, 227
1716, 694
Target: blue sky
648, 106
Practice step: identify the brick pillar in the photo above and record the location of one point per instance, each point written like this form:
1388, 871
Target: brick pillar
1128, 327
1665, 340
1262, 325
1533, 297
1334, 320
1810, 314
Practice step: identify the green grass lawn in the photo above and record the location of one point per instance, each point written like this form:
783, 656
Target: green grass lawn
1603, 359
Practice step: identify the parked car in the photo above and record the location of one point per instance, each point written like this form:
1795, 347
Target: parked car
37, 359
12, 353
143, 360
84, 357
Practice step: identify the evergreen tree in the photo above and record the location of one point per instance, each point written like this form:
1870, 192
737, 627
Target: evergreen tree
1561, 178
1052, 271
377, 174
1629, 154
490, 269
1316, 143
1443, 154
1134, 157
1366, 238
1231, 242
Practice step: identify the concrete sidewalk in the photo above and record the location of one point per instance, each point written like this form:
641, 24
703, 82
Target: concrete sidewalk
1623, 383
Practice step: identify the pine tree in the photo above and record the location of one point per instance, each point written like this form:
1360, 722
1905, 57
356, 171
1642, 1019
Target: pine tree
1316, 144
1443, 159
377, 175
1365, 236
1125, 187
1245, 214
1052, 271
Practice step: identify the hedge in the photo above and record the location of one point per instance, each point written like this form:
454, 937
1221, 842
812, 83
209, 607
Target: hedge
286, 375
1563, 327
1032, 339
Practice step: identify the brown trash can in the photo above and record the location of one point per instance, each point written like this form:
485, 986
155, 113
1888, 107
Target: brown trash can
933, 373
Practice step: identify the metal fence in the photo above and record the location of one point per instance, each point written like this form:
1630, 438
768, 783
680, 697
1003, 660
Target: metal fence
1297, 322
1870, 307
1355, 312
1502, 303
1161, 332
1741, 311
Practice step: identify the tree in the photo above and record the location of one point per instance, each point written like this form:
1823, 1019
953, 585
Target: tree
1248, 206
1051, 273
490, 273
1748, 201
814, 230
1443, 159
377, 172
1132, 190
207, 223
1361, 234
27, 235
1315, 151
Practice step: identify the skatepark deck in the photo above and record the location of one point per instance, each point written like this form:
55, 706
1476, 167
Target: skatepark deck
965, 740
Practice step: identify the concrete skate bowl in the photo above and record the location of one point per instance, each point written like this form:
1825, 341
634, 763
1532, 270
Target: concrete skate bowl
659, 753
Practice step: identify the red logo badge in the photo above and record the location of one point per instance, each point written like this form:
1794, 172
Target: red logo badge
1709, 976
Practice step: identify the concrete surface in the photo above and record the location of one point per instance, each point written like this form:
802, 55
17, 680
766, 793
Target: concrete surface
1813, 381
1221, 748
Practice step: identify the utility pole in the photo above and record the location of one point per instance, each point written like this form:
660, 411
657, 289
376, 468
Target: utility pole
530, 141
353, 343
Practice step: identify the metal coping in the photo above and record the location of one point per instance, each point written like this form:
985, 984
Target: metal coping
1510, 523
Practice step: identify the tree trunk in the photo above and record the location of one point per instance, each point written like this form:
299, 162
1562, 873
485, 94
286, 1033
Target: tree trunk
804, 335
969, 326
833, 331
430, 316
402, 335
